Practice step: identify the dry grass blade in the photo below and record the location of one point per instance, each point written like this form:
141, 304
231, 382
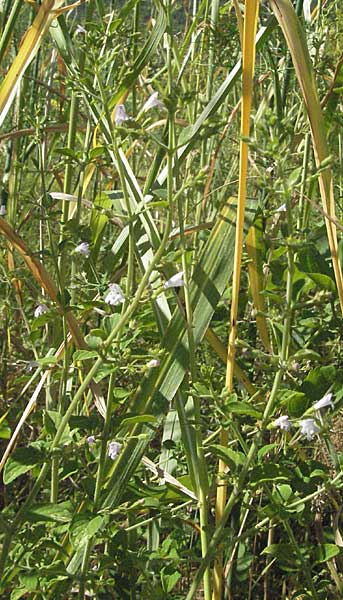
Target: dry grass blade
249, 50
29, 407
28, 49
296, 42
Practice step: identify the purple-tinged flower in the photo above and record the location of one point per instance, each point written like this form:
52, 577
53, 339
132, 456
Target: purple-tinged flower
91, 440
152, 102
113, 450
80, 29
153, 363
309, 428
115, 295
175, 281
324, 402
121, 115
83, 249
283, 422
40, 310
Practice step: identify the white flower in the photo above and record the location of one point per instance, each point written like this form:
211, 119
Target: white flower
153, 363
113, 450
309, 428
281, 209
91, 440
80, 29
121, 115
323, 402
152, 102
40, 310
175, 281
283, 422
3, 210
115, 295
83, 249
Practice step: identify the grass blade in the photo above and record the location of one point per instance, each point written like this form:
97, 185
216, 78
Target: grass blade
296, 42
249, 50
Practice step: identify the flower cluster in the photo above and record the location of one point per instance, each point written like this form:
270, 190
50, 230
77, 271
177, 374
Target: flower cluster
308, 426
115, 296
113, 450
40, 310
152, 102
83, 249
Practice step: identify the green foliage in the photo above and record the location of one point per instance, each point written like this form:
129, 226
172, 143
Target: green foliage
110, 480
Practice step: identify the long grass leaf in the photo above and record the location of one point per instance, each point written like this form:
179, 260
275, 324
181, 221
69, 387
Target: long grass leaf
249, 51
28, 49
296, 41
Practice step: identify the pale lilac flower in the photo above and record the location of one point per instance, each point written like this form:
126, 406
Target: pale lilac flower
91, 440
324, 402
121, 115
80, 29
152, 102
113, 450
153, 363
283, 422
3, 210
115, 295
83, 249
175, 281
40, 310
309, 428
32, 364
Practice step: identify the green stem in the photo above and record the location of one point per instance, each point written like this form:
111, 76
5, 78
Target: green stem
239, 486
20, 516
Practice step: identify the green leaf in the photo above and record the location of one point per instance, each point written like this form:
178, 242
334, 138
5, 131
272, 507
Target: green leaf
83, 528
296, 403
265, 450
60, 513
269, 472
138, 419
232, 458
169, 578
317, 382
22, 461
284, 552
242, 408
84, 355
324, 552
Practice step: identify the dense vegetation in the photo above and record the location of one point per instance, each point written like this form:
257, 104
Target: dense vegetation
157, 198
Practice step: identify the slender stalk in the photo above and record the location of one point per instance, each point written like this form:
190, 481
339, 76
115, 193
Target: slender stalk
239, 486
20, 516
249, 34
